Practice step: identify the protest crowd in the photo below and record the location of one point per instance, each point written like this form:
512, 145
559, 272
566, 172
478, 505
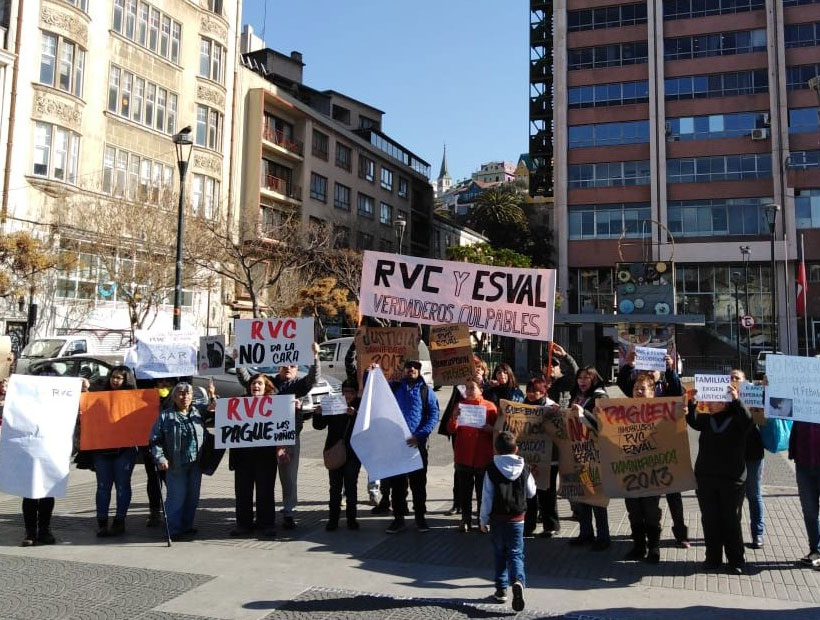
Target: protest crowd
516, 453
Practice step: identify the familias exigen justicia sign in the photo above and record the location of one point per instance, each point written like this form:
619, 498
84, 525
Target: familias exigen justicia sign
500, 300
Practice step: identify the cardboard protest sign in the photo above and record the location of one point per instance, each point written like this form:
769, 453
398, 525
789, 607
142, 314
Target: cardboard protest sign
389, 347
451, 354
526, 422
39, 416
649, 358
472, 415
117, 418
793, 388
644, 447
211, 360
380, 433
713, 388
158, 354
751, 395
334, 404
578, 457
499, 300
274, 342
254, 421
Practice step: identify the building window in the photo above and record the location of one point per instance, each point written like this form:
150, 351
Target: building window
368, 123
802, 35
719, 168
787, 3
318, 187
617, 55
365, 206
344, 156
386, 214
62, 64
204, 196
148, 27
718, 217
715, 44
607, 134
803, 120
341, 114
714, 126
604, 95
215, 6
80, 4
797, 77
807, 208
131, 176
717, 85
320, 145
686, 9
341, 237
606, 17
803, 160
56, 153
609, 221
385, 245
364, 241
341, 197
404, 187
125, 98
387, 179
609, 174
367, 168
211, 60
208, 128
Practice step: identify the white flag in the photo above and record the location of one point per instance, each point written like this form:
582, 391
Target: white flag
380, 434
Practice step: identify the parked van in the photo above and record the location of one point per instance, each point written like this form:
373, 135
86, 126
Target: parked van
332, 356
65, 346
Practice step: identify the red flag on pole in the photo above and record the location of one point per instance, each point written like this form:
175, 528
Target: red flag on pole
802, 283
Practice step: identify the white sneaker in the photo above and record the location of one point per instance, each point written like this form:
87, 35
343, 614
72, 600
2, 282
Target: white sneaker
375, 496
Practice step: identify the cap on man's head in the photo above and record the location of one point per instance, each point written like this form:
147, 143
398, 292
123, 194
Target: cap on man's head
551, 362
412, 364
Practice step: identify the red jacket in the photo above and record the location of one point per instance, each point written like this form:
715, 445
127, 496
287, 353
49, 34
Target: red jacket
474, 446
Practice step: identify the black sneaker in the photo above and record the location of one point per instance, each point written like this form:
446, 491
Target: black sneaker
653, 556
154, 519
636, 553
240, 532
518, 596
421, 525
288, 523
46, 538
500, 595
380, 509
352, 524
331, 526
810, 559
396, 527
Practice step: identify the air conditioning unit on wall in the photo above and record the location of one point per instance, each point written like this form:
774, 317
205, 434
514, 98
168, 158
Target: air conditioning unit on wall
760, 134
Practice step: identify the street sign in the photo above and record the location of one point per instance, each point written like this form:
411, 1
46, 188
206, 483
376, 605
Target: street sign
747, 321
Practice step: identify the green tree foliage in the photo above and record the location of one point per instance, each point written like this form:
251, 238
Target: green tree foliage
323, 299
23, 259
486, 254
497, 206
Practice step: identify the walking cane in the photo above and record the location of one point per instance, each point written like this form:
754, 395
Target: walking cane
162, 503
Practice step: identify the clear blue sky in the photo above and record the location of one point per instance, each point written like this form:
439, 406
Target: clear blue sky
451, 71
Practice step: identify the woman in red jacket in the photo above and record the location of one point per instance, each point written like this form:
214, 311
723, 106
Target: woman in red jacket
473, 446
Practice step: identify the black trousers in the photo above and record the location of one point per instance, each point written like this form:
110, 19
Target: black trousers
545, 502
345, 477
255, 468
152, 484
417, 480
645, 520
456, 491
675, 503
37, 515
469, 478
721, 505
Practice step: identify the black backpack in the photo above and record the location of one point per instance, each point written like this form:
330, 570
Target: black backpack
510, 497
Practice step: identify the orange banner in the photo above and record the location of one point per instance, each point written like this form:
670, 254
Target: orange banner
117, 418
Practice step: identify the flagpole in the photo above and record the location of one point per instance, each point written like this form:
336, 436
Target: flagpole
805, 295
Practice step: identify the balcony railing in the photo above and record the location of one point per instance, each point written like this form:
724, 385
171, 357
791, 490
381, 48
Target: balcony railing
280, 139
281, 186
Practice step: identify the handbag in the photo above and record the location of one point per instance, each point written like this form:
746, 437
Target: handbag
336, 455
775, 434
210, 457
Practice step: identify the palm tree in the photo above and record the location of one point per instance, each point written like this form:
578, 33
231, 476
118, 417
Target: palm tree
496, 206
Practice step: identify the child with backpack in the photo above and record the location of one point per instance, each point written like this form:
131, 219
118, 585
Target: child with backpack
507, 486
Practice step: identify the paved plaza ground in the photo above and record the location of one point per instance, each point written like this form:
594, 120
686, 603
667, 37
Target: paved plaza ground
311, 573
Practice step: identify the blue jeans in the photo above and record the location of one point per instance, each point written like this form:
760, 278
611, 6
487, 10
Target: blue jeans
808, 487
754, 478
114, 469
508, 548
183, 496
585, 512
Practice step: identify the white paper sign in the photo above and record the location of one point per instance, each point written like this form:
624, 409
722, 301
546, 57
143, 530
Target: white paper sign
253, 421
793, 388
650, 358
713, 388
380, 433
158, 354
37, 435
472, 415
211, 355
751, 395
334, 404
274, 342
499, 300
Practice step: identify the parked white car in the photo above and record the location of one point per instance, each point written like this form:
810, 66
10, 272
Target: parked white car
332, 355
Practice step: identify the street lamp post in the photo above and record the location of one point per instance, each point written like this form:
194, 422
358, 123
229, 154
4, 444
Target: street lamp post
399, 224
183, 145
736, 281
746, 255
771, 211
